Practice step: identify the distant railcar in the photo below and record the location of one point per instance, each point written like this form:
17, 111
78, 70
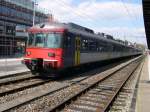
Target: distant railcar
56, 46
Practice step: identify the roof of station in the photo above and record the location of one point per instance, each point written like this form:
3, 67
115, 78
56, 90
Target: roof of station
146, 12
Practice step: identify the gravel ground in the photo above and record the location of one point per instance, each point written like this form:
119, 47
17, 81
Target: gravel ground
125, 96
48, 100
112, 82
54, 99
10, 97
48, 85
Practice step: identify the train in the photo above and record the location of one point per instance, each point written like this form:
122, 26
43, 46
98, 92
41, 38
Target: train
53, 47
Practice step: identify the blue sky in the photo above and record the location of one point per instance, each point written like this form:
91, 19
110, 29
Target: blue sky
121, 18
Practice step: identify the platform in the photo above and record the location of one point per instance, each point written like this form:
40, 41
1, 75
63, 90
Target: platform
143, 91
11, 59
11, 66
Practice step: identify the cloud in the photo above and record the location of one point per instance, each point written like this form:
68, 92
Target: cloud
106, 16
92, 10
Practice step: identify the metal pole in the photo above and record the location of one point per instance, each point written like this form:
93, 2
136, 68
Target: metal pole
149, 66
34, 13
34, 10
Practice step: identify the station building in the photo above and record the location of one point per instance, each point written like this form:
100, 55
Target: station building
15, 17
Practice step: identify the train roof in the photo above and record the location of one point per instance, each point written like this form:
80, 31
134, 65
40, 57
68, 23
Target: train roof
74, 28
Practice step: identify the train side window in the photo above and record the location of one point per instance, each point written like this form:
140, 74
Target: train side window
116, 48
106, 46
100, 46
84, 45
110, 48
103, 47
92, 45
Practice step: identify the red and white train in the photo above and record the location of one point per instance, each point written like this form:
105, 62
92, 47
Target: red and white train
57, 46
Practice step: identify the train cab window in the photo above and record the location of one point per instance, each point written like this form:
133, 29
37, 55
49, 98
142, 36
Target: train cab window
30, 40
54, 40
51, 40
39, 41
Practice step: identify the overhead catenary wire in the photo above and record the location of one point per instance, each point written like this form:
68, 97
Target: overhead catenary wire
81, 15
84, 17
137, 17
133, 13
129, 14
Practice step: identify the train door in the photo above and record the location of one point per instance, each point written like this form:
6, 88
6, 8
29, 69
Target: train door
77, 50
68, 49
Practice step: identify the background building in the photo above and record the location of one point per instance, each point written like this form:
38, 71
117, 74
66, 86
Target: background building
15, 17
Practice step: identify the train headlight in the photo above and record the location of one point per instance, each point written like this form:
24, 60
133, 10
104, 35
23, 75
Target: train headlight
28, 53
51, 54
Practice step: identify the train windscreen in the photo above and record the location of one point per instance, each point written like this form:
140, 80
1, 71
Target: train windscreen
51, 40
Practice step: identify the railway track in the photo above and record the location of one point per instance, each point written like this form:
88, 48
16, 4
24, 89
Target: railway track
99, 96
125, 101
21, 85
52, 97
16, 78
51, 87
30, 98
13, 86
21, 81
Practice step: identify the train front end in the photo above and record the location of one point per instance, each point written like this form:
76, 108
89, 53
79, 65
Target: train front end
44, 51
